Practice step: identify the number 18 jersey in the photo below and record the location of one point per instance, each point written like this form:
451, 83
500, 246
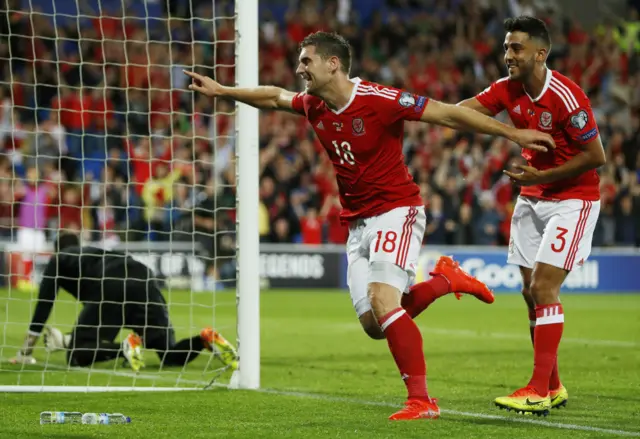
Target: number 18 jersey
364, 142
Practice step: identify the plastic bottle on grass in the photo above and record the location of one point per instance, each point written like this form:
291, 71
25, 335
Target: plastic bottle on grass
113, 418
60, 418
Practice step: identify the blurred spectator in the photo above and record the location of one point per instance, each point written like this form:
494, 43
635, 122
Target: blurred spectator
157, 196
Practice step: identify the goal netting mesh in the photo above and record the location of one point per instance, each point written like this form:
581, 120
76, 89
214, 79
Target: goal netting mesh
99, 135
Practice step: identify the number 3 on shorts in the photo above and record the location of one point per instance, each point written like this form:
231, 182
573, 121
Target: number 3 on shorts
386, 241
560, 241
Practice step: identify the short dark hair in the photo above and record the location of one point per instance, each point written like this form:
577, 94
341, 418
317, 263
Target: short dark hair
65, 240
330, 44
532, 26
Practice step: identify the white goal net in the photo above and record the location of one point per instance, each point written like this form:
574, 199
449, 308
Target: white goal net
99, 136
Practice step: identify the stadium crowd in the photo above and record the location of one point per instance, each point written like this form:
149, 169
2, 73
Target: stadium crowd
96, 111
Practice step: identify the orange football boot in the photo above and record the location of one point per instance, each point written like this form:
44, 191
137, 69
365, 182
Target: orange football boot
462, 282
217, 344
417, 409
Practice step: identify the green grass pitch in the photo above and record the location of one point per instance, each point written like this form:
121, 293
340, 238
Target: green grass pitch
323, 378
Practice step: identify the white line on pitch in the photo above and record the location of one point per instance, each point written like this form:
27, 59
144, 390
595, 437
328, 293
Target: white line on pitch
496, 335
504, 335
458, 413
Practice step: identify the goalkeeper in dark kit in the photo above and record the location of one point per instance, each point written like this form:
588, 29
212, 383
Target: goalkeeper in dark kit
116, 292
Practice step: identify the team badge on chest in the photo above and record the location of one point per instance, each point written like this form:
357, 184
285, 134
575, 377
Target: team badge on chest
358, 126
545, 120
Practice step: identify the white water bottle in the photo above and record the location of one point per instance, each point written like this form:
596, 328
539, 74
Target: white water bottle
113, 418
60, 418
90, 418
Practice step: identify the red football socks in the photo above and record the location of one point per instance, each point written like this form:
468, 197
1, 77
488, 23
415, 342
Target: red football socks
554, 382
547, 335
423, 294
405, 344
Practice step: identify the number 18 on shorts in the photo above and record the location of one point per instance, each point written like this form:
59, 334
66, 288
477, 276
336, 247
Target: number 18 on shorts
384, 249
557, 233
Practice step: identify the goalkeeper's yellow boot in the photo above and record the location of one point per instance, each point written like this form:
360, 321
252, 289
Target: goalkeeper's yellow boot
525, 401
132, 350
217, 344
559, 397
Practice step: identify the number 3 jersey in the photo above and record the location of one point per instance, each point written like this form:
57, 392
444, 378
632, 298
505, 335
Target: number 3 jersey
364, 142
562, 110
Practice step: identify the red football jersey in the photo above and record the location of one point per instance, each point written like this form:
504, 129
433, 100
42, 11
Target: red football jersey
562, 110
364, 143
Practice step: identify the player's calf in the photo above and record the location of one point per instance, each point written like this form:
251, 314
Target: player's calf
370, 325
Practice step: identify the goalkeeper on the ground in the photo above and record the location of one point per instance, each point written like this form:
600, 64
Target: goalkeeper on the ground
117, 292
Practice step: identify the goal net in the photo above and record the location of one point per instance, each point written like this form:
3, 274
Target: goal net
100, 136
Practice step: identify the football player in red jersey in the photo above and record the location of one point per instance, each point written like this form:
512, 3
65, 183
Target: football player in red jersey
557, 210
361, 125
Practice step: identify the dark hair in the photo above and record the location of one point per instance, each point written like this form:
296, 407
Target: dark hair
66, 240
330, 44
532, 26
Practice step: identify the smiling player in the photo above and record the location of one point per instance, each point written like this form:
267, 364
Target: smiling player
361, 125
558, 207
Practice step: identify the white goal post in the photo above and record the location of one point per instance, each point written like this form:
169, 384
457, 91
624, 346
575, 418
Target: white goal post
248, 291
16, 304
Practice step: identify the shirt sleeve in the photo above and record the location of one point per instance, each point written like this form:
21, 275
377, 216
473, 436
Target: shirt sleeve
46, 296
297, 103
492, 97
404, 106
580, 124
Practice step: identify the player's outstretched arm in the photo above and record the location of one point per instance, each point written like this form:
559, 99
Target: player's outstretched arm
463, 118
475, 104
263, 97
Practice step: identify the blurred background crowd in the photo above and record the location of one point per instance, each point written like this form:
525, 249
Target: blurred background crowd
99, 134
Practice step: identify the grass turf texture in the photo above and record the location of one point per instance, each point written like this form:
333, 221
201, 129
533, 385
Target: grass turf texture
322, 377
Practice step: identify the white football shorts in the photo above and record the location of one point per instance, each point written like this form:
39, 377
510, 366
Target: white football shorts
557, 233
394, 237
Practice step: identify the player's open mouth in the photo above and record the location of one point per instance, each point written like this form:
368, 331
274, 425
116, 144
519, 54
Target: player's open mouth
512, 67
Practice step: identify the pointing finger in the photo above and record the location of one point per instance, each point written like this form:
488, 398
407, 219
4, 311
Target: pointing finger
194, 75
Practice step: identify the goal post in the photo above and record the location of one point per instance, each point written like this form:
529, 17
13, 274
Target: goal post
247, 156
71, 55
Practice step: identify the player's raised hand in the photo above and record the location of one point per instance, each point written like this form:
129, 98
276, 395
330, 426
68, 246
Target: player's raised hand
529, 176
535, 140
204, 84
